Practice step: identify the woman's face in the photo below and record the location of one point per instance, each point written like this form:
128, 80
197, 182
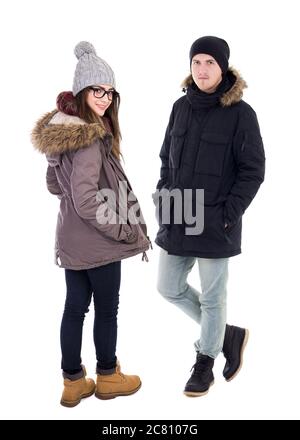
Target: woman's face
98, 103
206, 72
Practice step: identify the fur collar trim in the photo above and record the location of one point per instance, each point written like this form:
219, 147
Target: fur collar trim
56, 133
233, 95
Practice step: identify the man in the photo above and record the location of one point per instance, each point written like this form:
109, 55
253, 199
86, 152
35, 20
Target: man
213, 143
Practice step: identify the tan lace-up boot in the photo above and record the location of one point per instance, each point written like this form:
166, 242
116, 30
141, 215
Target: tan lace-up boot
116, 384
75, 390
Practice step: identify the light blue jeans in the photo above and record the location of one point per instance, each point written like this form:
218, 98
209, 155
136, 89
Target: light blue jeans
207, 308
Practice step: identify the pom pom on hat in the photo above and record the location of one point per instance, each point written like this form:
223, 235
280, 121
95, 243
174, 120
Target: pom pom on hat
84, 47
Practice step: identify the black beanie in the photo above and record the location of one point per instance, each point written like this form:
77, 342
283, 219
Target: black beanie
214, 46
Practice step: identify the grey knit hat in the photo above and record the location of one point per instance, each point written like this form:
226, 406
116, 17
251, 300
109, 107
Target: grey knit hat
90, 70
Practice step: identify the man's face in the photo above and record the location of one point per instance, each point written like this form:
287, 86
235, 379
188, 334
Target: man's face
206, 72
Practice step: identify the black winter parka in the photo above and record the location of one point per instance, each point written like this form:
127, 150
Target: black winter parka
212, 142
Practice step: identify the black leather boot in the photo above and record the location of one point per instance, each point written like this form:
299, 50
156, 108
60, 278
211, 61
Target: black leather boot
235, 341
202, 377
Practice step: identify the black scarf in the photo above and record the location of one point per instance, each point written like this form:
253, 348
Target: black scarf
200, 100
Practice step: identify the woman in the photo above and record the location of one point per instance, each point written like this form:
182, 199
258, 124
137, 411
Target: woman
97, 226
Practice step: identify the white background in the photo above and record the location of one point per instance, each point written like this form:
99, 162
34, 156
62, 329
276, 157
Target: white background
147, 44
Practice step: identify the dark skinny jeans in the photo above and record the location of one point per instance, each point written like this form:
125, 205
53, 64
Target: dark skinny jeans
103, 283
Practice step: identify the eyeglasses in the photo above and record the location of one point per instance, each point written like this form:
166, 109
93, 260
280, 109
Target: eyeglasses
99, 92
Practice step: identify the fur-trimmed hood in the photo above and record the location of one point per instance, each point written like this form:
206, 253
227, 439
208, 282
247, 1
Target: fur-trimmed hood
233, 95
56, 133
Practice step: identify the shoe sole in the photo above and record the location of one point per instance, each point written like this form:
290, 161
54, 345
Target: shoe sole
114, 395
241, 356
76, 402
195, 394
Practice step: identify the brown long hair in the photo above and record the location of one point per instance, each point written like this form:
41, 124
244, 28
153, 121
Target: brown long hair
87, 114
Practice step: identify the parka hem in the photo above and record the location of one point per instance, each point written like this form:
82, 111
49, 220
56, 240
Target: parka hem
197, 254
103, 263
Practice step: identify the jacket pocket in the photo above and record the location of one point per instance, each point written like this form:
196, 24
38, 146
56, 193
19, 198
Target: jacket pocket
176, 147
211, 153
232, 233
131, 232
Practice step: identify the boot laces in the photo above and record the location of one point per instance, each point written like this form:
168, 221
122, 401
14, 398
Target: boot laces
119, 372
226, 348
199, 367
